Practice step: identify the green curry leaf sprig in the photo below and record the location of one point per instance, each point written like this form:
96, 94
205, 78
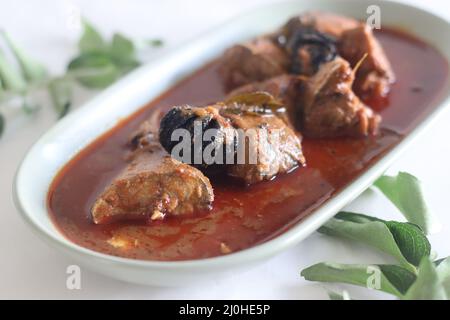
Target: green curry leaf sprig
98, 64
415, 276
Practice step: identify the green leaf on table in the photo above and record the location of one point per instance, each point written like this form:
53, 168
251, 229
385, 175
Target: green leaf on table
10, 77
91, 40
387, 278
94, 70
439, 261
356, 217
443, 267
60, 91
32, 70
155, 42
428, 286
403, 241
338, 296
443, 271
411, 240
2, 124
123, 53
101, 62
127, 66
400, 277
122, 48
405, 192
446, 286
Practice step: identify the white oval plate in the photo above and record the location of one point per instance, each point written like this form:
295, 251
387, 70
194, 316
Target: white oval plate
81, 127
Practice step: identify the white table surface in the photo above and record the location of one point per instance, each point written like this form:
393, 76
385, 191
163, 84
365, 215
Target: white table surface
30, 269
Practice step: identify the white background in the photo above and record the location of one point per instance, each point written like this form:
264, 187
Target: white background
30, 269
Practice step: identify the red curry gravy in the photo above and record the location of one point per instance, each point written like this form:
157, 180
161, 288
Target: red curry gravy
241, 217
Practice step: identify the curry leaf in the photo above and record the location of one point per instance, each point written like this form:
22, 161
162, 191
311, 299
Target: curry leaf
31, 69
60, 92
94, 70
123, 53
91, 40
411, 240
122, 48
100, 63
391, 279
400, 277
428, 285
11, 78
405, 192
443, 267
404, 241
443, 271
155, 42
356, 217
373, 233
446, 286
126, 66
439, 261
339, 296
